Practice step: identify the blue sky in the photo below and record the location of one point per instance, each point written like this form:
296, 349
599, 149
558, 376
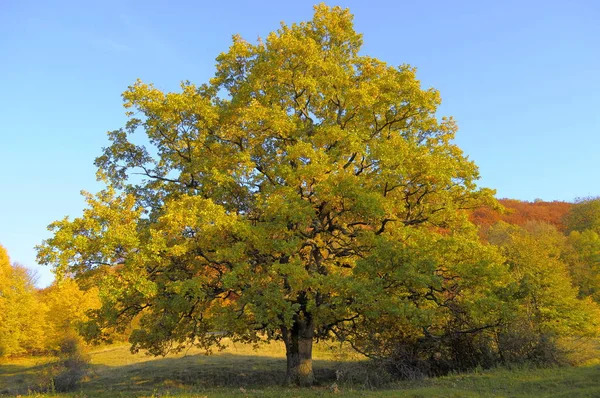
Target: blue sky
522, 78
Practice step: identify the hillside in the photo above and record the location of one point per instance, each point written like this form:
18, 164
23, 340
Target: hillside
520, 212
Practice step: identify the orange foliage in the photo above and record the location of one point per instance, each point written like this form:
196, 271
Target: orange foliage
519, 212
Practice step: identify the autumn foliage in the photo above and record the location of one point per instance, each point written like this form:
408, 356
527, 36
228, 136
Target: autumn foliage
519, 212
36, 321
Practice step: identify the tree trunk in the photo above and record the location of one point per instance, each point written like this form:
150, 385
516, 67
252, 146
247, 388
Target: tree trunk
298, 346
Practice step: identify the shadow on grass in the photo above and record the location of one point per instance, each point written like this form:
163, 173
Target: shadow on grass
227, 374
19, 378
200, 372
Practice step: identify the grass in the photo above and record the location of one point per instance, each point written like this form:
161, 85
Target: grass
241, 371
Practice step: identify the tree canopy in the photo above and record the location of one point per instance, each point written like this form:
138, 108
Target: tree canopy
584, 215
20, 331
304, 191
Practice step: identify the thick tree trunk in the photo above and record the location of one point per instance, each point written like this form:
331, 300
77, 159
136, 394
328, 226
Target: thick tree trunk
298, 346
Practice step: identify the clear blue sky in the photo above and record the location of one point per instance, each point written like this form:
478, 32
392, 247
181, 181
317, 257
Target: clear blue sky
522, 78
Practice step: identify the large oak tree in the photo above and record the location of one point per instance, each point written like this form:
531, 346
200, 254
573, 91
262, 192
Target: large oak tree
303, 190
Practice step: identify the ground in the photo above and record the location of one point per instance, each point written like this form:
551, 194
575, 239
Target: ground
241, 371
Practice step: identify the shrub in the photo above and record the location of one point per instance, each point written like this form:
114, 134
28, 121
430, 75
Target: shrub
68, 372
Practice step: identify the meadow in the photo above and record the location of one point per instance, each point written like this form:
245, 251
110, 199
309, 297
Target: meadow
242, 371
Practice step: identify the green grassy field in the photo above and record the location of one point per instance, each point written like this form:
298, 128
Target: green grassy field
241, 371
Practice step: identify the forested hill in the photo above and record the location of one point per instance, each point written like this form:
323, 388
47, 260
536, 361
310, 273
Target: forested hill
520, 212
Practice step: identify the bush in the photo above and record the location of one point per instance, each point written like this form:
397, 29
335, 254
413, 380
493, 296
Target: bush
519, 345
431, 356
68, 372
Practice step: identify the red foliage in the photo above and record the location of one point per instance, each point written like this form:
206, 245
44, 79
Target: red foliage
519, 212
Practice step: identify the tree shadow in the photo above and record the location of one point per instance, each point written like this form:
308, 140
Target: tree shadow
198, 372
19, 378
